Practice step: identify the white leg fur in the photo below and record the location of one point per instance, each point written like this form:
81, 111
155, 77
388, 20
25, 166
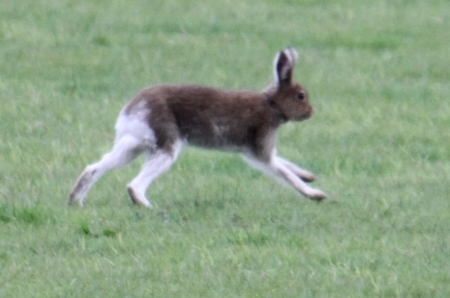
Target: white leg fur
301, 173
156, 164
279, 168
125, 150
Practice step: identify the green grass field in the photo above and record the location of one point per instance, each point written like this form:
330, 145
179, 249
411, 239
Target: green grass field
379, 80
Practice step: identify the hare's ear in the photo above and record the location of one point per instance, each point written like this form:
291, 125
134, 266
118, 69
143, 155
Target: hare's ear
284, 65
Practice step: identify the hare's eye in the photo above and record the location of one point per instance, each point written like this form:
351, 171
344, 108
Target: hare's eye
301, 96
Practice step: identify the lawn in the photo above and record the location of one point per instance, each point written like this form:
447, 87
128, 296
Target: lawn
378, 77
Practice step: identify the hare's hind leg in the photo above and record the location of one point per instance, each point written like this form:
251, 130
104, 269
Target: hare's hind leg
157, 163
125, 150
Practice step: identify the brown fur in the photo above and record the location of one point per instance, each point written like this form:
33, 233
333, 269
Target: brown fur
220, 119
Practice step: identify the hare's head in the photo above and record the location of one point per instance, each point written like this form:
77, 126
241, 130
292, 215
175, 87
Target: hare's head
287, 96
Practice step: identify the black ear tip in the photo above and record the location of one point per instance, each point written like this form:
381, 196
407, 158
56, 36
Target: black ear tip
282, 60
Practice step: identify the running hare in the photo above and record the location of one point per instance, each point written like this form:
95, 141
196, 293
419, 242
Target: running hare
161, 119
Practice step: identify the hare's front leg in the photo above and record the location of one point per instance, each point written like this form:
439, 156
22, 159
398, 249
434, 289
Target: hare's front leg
291, 178
301, 173
279, 169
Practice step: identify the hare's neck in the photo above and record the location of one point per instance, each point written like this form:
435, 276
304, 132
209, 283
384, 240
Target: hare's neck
279, 117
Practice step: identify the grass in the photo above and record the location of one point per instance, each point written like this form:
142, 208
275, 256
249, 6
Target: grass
379, 82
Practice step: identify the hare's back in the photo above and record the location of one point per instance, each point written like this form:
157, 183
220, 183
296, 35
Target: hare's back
215, 118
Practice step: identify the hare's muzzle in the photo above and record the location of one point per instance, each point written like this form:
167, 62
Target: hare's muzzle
308, 113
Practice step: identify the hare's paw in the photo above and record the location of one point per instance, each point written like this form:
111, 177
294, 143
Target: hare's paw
307, 177
138, 199
316, 194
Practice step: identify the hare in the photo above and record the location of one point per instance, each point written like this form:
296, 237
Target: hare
161, 119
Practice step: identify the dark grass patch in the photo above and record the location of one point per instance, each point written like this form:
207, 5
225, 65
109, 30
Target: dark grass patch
25, 215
